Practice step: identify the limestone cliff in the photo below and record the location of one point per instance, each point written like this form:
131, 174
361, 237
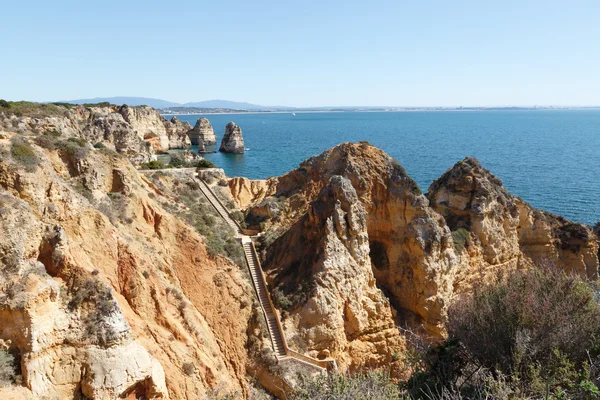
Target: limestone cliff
161, 133
177, 132
104, 293
232, 141
426, 249
98, 125
320, 270
202, 133
247, 192
502, 231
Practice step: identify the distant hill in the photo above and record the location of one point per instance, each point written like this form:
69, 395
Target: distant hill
158, 103
131, 101
233, 105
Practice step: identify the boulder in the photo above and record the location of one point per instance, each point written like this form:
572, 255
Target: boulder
232, 142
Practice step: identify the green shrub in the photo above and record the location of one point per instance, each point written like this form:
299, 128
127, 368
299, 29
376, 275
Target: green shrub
30, 109
533, 334
8, 369
4, 103
99, 145
23, 153
154, 165
204, 163
460, 237
76, 148
281, 300
372, 385
398, 168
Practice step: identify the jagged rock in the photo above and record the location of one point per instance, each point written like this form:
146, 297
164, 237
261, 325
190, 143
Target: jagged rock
185, 159
232, 141
326, 275
177, 131
95, 124
507, 232
424, 255
118, 302
148, 124
202, 133
246, 192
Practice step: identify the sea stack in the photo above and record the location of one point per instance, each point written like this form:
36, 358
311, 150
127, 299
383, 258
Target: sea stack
202, 132
232, 142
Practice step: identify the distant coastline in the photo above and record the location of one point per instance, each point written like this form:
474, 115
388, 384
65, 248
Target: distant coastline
194, 111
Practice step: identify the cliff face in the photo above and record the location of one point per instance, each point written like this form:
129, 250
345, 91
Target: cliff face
426, 249
161, 133
326, 281
103, 125
504, 231
177, 132
232, 141
202, 133
103, 293
136, 132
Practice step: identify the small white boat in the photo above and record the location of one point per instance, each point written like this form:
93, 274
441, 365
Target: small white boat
294, 114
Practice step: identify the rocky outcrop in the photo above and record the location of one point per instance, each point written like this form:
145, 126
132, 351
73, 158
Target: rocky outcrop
177, 132
105, 294
202, 133
246, 192
320, 270
185, 157
148, 124
425, 250
98, 125
502, 231
232, 141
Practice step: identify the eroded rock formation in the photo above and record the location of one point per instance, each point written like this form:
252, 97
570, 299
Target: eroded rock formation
326, 281
202, 133
424, 254
160, 132
232, 141
104, 294
177, 132
137, 132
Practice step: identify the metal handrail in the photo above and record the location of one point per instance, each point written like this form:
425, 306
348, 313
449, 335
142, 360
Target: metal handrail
321, 364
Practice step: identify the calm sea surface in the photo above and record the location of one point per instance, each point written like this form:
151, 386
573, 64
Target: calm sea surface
550, 158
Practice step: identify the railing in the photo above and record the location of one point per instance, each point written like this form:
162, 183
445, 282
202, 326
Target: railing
322, 365
264, 281
327, 364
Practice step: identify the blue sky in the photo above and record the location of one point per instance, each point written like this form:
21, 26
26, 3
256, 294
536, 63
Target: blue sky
308, 53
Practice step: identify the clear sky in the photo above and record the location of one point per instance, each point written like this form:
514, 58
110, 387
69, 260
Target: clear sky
304, 53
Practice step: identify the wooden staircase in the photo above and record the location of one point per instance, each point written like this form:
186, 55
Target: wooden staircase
276, 333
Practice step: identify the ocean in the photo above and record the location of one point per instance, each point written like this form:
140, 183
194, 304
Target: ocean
550, 158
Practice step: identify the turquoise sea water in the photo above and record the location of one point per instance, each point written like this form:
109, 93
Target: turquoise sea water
550, 158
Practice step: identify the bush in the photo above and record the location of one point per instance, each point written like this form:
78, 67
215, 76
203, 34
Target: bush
189, 368
533, 334
76, 148
99, 145
8, 369
281, 300
205, 164
368, 386
460, 237
30, 109
23, 153
154, 165
4, 103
